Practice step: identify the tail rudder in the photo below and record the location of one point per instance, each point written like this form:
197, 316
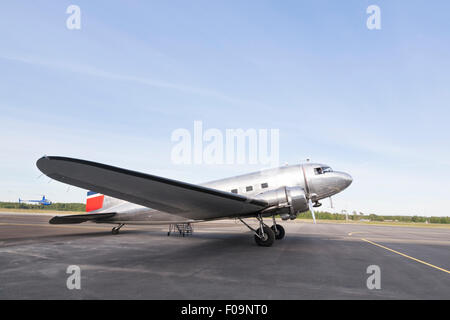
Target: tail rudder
94, 201
100, 203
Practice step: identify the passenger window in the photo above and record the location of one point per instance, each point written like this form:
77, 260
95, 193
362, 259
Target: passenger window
234, 191
249, 188
264, 185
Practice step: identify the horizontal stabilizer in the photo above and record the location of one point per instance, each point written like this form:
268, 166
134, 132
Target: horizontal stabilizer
79, 218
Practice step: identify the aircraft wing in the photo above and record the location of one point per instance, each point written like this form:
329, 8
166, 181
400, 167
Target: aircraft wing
171, 196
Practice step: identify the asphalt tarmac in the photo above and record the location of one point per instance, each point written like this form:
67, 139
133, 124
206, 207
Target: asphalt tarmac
221, 261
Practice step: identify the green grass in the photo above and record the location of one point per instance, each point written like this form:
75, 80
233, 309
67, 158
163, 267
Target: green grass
73, 207
383, 223
322, 215
31, 211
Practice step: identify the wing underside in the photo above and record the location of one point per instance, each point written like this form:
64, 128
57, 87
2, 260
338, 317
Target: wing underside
171, 196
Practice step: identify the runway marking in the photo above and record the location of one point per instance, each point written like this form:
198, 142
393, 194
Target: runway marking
411, 241
25, 254
406, 256
350, 233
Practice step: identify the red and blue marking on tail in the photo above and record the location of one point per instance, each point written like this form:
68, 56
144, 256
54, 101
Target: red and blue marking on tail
94, 201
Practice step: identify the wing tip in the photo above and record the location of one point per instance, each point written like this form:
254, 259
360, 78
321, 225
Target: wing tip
41, 163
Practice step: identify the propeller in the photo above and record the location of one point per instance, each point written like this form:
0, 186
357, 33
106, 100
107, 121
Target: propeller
308, 194
312, 210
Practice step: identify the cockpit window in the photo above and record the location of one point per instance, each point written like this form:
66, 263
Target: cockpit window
326, 169
322, 170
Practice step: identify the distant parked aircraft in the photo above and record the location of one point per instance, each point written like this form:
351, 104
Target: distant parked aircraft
43, 201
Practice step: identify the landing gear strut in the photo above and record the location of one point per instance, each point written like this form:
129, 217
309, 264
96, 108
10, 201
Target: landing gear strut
115, 230
264, 236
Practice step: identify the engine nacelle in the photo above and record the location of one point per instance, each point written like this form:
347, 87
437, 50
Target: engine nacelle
288, 201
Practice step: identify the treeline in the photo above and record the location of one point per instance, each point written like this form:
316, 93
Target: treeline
323, 215
53, 206
320, 215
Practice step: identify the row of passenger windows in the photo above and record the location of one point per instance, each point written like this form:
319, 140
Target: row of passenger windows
250, 188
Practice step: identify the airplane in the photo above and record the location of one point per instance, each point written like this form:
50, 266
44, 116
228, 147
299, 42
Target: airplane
125, 197
43, 201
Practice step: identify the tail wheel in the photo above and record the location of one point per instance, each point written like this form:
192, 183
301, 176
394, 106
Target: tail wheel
266, 239
279, 232
115, 230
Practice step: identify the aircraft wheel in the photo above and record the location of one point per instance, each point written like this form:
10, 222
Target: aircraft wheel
279, 232
267, 239
115, 231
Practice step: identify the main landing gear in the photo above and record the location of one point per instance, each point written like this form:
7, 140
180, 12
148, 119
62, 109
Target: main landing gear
265, 235
277, 229
115, 230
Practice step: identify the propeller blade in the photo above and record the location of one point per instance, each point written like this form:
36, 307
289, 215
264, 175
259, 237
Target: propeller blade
312, 211
331, 203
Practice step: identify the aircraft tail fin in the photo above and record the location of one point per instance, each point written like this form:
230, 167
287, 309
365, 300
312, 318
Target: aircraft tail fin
99, 202
94, 201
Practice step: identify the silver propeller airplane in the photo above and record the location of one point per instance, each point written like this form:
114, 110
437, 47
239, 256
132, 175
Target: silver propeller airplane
120, 196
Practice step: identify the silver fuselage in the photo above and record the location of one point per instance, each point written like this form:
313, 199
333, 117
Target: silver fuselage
318, 185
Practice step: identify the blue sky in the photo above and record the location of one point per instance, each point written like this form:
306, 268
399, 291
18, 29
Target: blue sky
374, 103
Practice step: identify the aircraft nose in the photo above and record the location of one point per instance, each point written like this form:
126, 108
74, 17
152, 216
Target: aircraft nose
344, 180
347, 179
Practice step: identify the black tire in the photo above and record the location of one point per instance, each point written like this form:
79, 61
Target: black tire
279, 232
269, 237
115, 231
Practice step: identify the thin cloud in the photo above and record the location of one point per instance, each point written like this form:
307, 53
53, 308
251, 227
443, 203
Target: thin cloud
96, 72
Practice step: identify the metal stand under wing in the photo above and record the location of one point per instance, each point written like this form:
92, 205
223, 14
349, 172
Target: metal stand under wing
183, 229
